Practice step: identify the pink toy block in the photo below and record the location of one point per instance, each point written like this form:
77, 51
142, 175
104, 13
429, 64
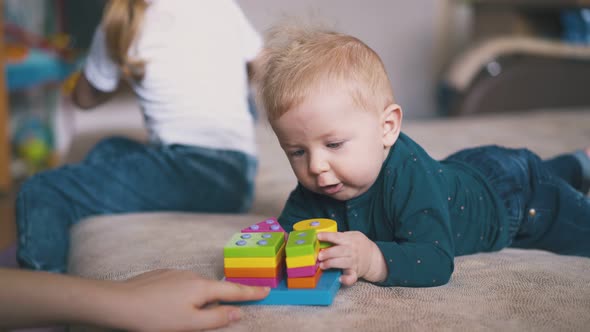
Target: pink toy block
305, 271
268, 225
270, 282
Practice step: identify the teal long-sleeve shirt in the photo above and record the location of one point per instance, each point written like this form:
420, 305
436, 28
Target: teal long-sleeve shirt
420, 212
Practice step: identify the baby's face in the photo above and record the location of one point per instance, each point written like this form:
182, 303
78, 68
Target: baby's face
334, 147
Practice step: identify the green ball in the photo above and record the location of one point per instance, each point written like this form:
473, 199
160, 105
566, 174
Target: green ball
34, 151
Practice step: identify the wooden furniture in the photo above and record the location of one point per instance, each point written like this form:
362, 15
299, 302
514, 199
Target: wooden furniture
493, 18
519, 57
44, 65
5, 178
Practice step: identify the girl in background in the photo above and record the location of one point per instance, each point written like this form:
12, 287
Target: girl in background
186, 62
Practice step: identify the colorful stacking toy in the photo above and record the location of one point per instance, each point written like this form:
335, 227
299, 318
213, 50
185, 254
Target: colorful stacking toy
255, 258
259, 255
302, 259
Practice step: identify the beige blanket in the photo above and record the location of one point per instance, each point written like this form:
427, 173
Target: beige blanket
511, 290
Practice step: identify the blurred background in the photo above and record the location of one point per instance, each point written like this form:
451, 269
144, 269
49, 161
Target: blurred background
445, 58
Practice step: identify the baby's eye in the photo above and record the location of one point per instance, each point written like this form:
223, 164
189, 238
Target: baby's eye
334, 145
296, 153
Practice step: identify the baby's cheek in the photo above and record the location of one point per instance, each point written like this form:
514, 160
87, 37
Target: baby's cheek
300, 173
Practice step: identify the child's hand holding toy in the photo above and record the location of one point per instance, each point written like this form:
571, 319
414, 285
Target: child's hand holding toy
349, 253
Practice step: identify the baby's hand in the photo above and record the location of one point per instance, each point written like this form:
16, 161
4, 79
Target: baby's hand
355, 254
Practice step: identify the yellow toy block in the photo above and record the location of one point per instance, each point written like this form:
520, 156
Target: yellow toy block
300, 261
255, 262
320, 225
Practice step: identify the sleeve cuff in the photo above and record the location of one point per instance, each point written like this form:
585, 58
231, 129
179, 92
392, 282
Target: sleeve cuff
415, 265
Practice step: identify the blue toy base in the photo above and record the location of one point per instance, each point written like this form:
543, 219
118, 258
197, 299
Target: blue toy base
322, 295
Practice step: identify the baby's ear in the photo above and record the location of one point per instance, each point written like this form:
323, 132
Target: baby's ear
391, 122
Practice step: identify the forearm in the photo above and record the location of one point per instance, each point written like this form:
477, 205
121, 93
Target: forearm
86, 96
377, 271
415, 264
30, 299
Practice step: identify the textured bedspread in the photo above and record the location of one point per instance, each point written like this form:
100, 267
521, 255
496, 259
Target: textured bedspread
510, 290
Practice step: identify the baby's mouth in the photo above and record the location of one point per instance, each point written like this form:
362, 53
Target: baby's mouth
332, 189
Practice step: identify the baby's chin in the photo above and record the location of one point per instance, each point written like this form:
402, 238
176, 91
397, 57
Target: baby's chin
345, 194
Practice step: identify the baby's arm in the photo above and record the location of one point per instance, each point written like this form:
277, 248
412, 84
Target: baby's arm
163, 300
411, 247
355, 254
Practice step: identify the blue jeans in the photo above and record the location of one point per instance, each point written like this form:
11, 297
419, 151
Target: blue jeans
122, 176
545, 200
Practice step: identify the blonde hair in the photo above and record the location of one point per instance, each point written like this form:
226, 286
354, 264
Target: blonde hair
299, 60
122, 21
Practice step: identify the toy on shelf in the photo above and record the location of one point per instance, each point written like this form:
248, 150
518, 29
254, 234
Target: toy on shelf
33, 145
260, 254
34, 60
36, 64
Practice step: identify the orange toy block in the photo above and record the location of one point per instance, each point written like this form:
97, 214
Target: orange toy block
254, 272
306, 282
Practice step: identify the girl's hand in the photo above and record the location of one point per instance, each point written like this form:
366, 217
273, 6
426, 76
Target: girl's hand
176, 300
355, 254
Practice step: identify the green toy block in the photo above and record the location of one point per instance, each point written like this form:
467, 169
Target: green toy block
254, 244
302, 243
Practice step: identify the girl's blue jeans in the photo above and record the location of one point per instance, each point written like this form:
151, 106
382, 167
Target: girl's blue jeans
544, 199
122, 176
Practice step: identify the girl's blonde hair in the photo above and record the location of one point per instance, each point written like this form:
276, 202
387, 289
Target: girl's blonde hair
122, 20
297, 61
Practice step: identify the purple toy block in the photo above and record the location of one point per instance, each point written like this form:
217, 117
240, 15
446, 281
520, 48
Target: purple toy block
267, 225
304, 271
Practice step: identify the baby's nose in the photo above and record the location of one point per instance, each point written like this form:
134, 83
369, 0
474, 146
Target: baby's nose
318, 165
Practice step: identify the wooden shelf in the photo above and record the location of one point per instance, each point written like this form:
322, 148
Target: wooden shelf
39, 68
5, 158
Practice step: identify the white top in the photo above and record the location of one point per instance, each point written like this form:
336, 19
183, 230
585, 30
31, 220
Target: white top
194, 91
